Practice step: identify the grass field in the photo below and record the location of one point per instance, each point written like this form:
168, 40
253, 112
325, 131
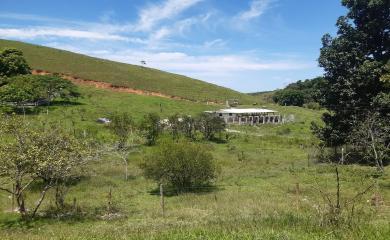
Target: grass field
255, 196
123, 75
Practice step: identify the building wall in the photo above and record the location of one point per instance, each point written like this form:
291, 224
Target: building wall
252, 119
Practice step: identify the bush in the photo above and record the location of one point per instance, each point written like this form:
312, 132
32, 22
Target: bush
312, 106
151, 128
210, 125
182, 165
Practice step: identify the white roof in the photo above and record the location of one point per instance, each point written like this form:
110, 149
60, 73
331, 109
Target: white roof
246, 110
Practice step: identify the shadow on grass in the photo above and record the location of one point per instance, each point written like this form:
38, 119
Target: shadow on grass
64, 103
170, 191
50, 216
35, 110
39, 185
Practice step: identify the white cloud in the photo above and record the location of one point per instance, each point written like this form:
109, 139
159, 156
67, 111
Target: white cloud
257, 8
152, 15
216, 43
46, 32
187, 64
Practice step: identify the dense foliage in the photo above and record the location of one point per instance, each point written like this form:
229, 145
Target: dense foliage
183, 165
210, 125
151, 128
18, 87
302, 92
122, 125
12, 63
34, 89
356, 74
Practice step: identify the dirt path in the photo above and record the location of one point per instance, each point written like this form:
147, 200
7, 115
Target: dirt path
109, 86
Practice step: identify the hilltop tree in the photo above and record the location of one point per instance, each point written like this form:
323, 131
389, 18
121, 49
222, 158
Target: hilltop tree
354, 62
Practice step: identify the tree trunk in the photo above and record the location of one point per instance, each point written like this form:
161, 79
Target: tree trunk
378, 161
126, 170
43, 194
20, 199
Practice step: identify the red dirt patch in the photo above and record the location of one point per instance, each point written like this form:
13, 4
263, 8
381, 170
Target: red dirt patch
107, 86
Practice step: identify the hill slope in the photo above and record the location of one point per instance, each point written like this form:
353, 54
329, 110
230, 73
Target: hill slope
122, 75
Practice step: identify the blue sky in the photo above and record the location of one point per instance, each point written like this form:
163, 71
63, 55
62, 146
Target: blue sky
247, 45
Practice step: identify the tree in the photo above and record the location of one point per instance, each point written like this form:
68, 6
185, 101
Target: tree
151, 128
41, 87
289, 97
122, 126
354, 61
174, 125
53, 86
17, 159
12, 63
47, 155
183, 165
23, 89
187, 126
210, 125
371, 138
308, 91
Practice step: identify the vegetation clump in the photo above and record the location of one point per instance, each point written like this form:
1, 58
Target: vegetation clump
18, 88
182, 165
47, 155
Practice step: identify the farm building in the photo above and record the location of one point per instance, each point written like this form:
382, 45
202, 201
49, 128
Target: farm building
248, 116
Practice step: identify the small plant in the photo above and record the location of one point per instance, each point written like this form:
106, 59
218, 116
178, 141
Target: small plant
283, 131
241, 157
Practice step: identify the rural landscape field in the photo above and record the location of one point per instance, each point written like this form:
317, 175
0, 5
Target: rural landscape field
92, 148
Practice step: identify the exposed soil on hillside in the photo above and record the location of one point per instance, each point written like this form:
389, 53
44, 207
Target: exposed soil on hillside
109, 86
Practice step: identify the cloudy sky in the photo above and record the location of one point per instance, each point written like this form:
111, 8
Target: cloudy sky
247, 45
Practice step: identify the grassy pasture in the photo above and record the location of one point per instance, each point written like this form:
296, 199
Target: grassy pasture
254, 196
123, 75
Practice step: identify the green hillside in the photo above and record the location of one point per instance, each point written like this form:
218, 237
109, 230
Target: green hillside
124, 75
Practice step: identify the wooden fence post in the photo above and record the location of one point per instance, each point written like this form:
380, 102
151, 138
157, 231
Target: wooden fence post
162, 200
110, 200
297, 192
74, 204
13, 198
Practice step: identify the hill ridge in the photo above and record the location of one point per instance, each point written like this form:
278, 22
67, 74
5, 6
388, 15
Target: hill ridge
124, 75
108, 86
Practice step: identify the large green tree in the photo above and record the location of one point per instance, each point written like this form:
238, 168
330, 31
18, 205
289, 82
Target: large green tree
354, 62
12, 63
23, 89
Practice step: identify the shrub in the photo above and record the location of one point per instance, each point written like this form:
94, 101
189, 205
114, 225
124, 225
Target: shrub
312, 105
151, 128
122, 126
182, 165
210, 125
